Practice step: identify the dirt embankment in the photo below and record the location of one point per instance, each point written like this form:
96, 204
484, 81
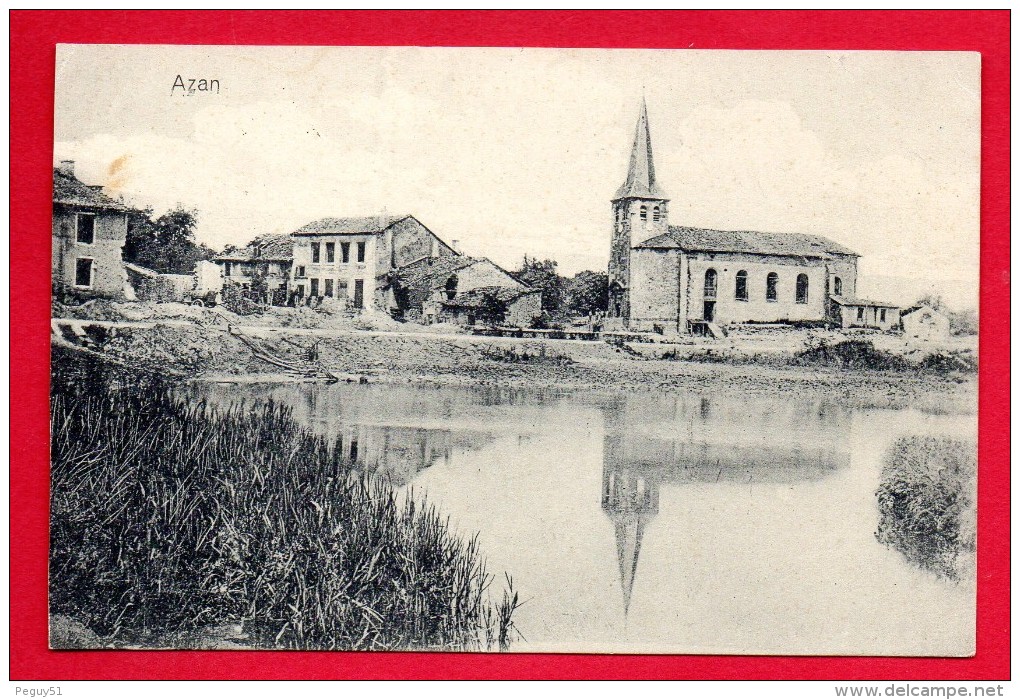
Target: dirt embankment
758, 362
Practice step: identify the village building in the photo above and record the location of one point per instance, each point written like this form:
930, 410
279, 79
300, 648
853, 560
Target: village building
352, 258
89, 232
680, 279
268, 258
925, 323
455, 289
863, 313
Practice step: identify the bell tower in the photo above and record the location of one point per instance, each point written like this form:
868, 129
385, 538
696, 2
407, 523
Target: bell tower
639, 213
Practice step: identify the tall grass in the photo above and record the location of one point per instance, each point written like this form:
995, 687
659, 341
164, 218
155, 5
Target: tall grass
927, 502
168, 517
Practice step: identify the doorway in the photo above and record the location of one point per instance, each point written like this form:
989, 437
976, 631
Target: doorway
709, 311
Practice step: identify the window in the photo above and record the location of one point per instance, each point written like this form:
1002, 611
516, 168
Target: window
860, 313
655, 213
315, 287
802, 288
315, 252
451, 287
226, 269
711, 283
361, 251
741, 286
300, 271
772, 287
881, 315
837, 286
644, 213
329, 288
345, 252
86, 229
330, 252
83, 272
341, 289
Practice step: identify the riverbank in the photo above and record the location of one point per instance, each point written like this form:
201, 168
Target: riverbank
861, 369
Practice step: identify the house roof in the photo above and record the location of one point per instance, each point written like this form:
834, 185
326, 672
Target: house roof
917, 307
70, 191
349, 225
473, 298
268, 247
852, 301
641, 171
689, 238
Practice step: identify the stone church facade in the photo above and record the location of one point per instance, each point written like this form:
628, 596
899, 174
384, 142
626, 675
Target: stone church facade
681, 279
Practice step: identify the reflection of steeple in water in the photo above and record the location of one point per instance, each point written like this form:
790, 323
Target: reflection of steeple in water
631, 501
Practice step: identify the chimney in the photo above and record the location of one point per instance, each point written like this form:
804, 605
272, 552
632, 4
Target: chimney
455, 244
66, 167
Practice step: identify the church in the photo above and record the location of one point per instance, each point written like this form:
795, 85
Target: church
681, 279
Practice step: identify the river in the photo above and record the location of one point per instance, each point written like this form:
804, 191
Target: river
644, 522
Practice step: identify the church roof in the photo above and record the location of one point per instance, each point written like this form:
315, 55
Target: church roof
712, 240
641, 173
349, 225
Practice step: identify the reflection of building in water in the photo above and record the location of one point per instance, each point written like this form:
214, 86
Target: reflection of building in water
630, 501
393, 453
674, 441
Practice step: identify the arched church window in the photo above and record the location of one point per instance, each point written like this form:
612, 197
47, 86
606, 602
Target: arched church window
711, 283
644, 213
802, 288
655, 213
772, 287
451, 287
741, 294
837, 286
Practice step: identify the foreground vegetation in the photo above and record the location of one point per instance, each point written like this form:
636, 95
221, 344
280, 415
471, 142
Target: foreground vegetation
927, 502
169, 518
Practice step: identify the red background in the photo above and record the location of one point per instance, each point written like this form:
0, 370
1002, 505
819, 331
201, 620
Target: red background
33, 38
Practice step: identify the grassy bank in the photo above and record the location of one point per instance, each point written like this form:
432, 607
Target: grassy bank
927, 502
171, 521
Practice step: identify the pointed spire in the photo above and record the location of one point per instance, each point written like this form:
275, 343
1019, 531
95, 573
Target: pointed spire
641, 173
630, 530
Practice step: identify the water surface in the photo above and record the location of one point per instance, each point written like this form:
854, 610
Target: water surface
661, 523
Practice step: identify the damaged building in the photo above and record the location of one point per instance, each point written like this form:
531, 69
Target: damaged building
455, 289
89, 232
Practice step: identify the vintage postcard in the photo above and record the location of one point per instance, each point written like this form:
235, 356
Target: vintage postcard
527, 350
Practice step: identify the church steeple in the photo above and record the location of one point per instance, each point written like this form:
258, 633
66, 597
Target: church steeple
640, 182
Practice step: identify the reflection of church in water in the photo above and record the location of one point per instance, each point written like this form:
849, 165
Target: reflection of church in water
702, 441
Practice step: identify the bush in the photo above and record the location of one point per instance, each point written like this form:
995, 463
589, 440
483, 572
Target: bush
537, 354
927, 501
850, 354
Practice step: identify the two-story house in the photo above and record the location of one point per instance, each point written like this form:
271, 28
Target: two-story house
89, 231
269, 257
352, 258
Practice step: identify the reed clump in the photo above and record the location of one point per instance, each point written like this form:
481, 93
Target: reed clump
927, 502
169, 517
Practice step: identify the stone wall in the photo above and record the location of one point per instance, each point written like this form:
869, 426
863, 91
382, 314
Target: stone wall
106, 252
757, 308
655, 293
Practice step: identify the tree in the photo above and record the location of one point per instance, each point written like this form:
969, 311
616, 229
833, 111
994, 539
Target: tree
492, 310
587, 292
541, 274
166, 243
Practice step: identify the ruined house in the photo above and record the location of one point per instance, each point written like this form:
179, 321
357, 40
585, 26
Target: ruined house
89, 231
453, 289
269, 257
684, 279
923, 322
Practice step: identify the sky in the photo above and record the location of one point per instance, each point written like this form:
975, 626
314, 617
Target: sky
515, 152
